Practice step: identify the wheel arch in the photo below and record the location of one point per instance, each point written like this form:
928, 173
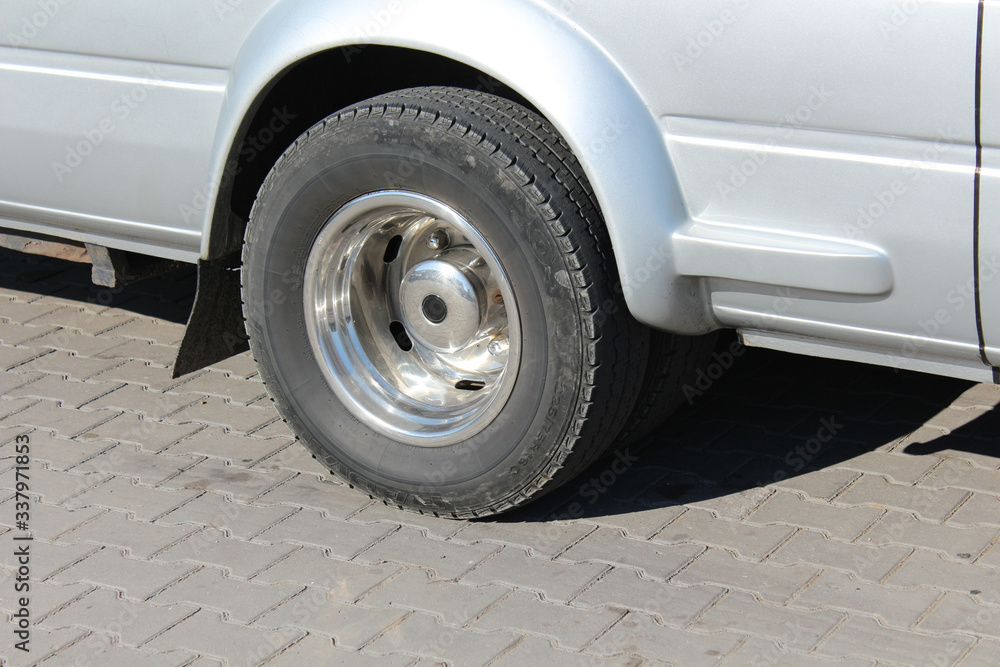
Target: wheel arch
556, 69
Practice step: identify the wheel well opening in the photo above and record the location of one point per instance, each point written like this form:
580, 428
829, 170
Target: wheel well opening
311, 90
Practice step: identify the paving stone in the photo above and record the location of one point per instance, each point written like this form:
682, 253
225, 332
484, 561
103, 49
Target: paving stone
133, 623
12, 334
772, 583
640, 524
142, 502
376, 512
65, 422
334, 499
757, 651
639, 634
217, 412
821, 484
206, 633
733, 506
700, 527
235, 519
314, 649
217, 383
46, 597
934, 505
98, 649
21, 312
540, 651
52, 486
239, 366
61, 453
294, 457
279, 429
424, 636
351, 626
344, 540
447, 560
148, 434
64, 363
149, 404
151, 353
839, 522
79, 344
964, 613
214, 475
985, 653
238, 558
796, 629
626, 589
11, 407
571, 628
863, 637
47, 558
344, 580
990, 559
952, 419
135, 372
150, 330
127, 460
555, 580
86, 320
980, 510
10, 380
110, 568
898, 467
545, 540
610, 546
866, 563
241, 601
905, 528
67, 393
454, 604
43, 644
239, 450
926, 568
139, 538
959, 474
896, 607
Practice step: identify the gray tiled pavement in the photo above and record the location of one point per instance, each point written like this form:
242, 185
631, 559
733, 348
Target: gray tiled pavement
179, 524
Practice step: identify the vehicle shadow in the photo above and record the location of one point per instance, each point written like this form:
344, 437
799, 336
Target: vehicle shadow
770, 417
167, 297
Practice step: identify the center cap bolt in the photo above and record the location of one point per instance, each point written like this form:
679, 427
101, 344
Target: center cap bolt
434, 309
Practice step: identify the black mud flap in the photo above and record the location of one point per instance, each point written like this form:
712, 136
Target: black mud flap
215, 329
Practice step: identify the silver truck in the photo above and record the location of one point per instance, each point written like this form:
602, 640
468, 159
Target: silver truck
473, 244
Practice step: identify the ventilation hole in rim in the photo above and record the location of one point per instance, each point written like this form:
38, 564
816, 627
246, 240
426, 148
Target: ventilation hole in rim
470, 385
392, 250
399, 334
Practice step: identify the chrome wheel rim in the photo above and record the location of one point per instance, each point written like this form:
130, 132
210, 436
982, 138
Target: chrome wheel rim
412, 318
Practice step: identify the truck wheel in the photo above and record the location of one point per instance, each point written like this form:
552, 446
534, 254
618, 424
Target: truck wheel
427, 289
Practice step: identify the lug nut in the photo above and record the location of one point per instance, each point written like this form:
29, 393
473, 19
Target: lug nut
499, 345
438, 240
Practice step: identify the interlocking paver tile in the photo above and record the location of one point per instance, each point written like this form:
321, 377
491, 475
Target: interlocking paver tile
757, 651
637, 523
933, 504
128, 460
539, 538
149, 404
638, 633
314, 649
570, 627
610, 546
867, 563
702, 527
841, 523
239, 450
60, 453
959, 474
152, 353
143, 502
423, 635
68, 393
242, 601
151, 330
79, 344
53, 486
45, 597
217, 383
820, 484
10, 380
455, 604
150, 435
925, 568
897, 607
540, 651
331, 497
351, 626
206, 633
47, 558
905, 528
295, 458
864, 637
557, 581
88, 320
376, 512
65, 422
98, 649
135, 372
111, 568
964, 613
12, 333
344, 580
217, 412
241, 484
344, 540
44, 643
980, 510
62, 362
447, 560
898, 467
133, 623
986, 653
236, 519
139, 538
211, 547
627, 589
733, 506
797, 629
773, 583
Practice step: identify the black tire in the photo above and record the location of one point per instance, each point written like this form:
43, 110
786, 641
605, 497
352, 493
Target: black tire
505, 168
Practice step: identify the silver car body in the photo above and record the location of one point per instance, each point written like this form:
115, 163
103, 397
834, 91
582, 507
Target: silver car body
819, 175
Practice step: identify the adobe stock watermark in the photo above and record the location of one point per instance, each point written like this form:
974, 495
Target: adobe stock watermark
120, 110
708, 33
809, 450
34, 23
902, 13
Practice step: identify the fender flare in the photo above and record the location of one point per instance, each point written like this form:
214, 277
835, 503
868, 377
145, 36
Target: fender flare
560, 69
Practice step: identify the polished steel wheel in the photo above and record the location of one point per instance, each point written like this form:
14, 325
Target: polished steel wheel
412, 318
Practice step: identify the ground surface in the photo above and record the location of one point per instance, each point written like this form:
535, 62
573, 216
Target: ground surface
800, 512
